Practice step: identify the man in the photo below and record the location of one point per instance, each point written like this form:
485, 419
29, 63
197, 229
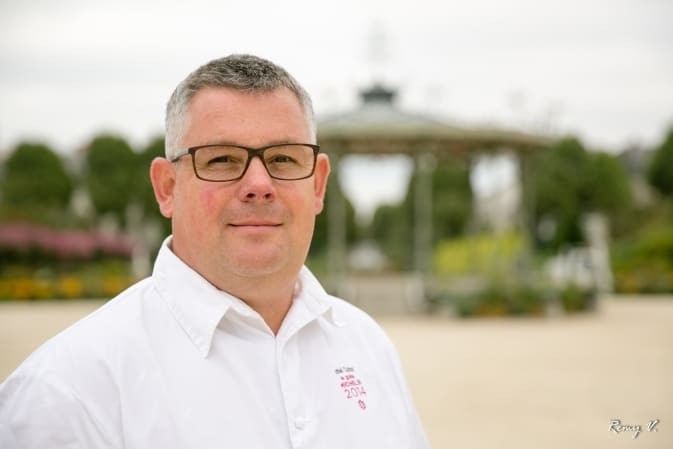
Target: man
231, 342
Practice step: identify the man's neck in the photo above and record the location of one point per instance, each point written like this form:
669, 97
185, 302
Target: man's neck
271, 298
269, 295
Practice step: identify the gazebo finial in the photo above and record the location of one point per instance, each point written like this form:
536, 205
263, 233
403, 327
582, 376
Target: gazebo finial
378, 93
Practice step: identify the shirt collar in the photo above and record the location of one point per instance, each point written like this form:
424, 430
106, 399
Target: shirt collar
198, 306
314, 297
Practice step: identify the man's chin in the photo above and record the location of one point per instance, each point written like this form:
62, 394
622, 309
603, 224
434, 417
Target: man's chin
259, 266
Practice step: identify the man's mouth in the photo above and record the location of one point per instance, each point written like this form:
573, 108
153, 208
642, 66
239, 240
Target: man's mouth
254, 224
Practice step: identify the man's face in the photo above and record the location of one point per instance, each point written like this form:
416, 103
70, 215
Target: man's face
253, 227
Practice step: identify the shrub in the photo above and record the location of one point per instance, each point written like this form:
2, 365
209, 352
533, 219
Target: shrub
498, 300
644, 263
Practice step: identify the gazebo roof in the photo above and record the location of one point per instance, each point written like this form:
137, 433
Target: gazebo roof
377, 126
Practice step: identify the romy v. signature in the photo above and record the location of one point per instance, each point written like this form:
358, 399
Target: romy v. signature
617, 426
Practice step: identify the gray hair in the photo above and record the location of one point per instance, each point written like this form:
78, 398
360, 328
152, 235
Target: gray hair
245, 73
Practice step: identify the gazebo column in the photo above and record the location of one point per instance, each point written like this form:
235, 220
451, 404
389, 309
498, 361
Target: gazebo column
526, 214
336, 228
425, 163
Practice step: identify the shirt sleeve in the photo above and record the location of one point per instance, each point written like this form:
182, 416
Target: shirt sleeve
44, 412
417, 436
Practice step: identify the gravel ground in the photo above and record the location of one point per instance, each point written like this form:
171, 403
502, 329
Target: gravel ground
495, 383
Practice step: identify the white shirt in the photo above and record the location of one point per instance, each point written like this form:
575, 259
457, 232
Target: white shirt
173, 362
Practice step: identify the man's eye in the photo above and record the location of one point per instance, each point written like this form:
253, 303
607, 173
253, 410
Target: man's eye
226, 159
281, 159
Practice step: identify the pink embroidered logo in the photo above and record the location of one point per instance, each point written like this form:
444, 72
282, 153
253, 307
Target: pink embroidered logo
351, 385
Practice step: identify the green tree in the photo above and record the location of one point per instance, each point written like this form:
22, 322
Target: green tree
569, 182
452, 199
608, 188
111, 175
35, 181
610, 193
392, 229
143, 196
144, 192
660, 172
321, 232
558, 175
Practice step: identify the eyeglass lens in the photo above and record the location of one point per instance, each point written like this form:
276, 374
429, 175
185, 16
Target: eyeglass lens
222, 163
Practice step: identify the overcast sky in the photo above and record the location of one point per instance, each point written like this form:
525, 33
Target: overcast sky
600, 69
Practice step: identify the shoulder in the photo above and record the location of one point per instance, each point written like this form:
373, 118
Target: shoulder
358, 323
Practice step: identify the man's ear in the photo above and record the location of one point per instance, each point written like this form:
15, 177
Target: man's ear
322, 169
162, 175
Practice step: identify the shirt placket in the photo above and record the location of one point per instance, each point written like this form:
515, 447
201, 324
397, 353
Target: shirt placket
300, 418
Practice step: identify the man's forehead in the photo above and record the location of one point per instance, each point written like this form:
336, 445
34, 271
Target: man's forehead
222, 115
217, 94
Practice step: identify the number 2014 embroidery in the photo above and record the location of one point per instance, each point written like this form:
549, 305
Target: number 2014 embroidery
351, 385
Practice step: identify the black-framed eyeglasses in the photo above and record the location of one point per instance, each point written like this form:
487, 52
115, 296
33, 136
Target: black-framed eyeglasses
219, 163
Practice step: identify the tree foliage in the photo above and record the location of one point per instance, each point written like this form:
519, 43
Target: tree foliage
392, 229
569, 182
111, 175
321, 232
35, 179
660, 172
144, 192
452, 199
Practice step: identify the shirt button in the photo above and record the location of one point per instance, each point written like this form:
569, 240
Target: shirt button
300, 423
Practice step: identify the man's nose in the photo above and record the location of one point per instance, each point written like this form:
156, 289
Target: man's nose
256, 184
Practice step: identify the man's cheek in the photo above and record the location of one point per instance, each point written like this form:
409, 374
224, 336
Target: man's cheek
208, 198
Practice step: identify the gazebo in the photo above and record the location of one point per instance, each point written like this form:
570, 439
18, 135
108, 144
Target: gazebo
378, 127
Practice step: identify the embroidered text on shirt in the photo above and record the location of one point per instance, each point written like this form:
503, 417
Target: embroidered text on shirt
351, 385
